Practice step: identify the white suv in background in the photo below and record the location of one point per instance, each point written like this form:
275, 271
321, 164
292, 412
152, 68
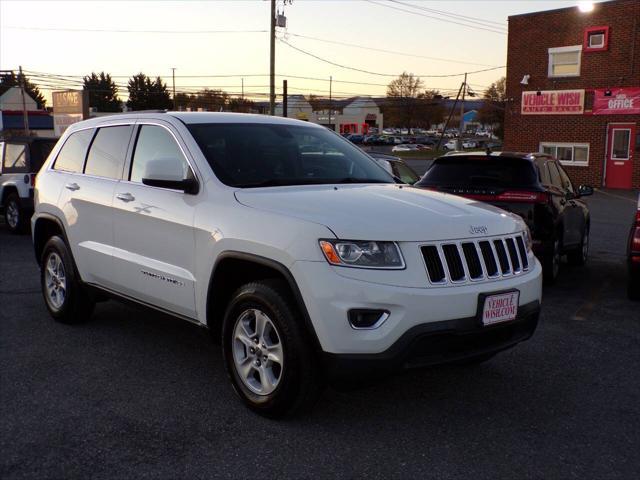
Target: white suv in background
298, 252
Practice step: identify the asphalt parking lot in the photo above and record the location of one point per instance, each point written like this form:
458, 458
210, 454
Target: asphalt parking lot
137, 394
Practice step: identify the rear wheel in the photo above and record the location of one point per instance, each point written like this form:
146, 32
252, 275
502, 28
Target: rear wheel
268, 357
579, 255
65, 297
551, 263
13, 214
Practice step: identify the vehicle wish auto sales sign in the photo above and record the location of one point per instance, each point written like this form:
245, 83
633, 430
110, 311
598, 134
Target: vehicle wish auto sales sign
553, 102
616, 101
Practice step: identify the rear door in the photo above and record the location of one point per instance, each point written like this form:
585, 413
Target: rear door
92, 162
154, 256
565, 211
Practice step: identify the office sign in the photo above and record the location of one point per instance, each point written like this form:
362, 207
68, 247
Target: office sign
553, 102
616, 101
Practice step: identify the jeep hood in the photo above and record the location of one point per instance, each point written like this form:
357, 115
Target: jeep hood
383, 212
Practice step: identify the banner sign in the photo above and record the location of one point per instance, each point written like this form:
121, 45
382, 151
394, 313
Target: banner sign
616, 101
553, 102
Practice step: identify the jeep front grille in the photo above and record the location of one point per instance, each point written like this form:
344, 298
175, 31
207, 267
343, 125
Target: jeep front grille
459, 262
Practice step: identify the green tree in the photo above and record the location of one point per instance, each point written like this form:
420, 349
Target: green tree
9, 80
241, 105
103, 92
145, 94
408, 105
492, 110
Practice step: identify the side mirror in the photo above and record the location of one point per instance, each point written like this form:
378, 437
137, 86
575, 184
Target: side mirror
187, 185
585, 190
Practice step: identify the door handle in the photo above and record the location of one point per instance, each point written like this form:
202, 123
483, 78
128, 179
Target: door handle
125, 197
72, 186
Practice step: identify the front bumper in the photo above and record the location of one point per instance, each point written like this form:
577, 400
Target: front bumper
436, 343
328, 296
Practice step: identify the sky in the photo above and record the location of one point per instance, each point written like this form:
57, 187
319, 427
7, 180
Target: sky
225, 43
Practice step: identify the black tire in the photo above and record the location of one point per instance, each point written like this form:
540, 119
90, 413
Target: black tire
579, 256
551, 262
14, 215
76, 303
299, 381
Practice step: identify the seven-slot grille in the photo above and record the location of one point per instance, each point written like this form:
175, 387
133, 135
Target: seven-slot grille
475, 260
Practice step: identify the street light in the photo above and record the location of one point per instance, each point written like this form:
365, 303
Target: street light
585, 7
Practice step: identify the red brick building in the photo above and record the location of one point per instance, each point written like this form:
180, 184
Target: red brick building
573, 90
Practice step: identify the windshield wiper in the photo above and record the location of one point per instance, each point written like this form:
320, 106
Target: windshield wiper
358, 180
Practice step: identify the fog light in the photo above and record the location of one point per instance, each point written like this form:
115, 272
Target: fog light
364, 319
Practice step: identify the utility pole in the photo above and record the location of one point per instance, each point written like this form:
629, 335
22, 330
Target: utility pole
173, 75
285, 102
242, 79
272, 75
330, 102
446, 125
25, 116
464, 89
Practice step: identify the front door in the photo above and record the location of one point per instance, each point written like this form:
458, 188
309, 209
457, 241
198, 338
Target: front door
154, 258
620, 148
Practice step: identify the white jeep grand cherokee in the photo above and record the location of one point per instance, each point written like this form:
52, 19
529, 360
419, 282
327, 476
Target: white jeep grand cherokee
297, 250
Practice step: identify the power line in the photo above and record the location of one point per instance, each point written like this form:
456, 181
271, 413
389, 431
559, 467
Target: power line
107, 30
335, 42
378, 73
479, 21
436, 18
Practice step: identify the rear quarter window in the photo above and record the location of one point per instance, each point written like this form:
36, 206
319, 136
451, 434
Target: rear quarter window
71, 156
481, 171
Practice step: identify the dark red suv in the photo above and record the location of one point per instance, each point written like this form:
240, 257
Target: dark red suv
634, 256
532, 185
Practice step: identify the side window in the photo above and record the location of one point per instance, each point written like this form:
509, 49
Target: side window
405, 174
108, 151
544, 172
554, 174
73, 152
15, 157
158, 156
566, 181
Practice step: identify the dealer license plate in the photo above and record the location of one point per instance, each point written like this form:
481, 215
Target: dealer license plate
500, 308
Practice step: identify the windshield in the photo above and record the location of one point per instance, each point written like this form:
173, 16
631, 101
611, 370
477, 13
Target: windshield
480, 171
259, 155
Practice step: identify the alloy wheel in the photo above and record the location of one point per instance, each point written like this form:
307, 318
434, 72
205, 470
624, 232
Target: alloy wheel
55, 281
257, 352
13, 214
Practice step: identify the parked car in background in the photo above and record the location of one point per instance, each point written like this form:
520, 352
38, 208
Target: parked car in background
356, 138
534, 186
396, 167
633, 256
469, 144
450, 145
20, 161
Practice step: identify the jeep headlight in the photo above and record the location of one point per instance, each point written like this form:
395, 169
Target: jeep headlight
528, 242
362, 254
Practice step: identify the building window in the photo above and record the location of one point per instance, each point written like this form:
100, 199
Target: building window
565, 61
567, 153
621, 144
596, 39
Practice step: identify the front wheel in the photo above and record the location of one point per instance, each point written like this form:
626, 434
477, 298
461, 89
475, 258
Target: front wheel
579, 255
267, 355
551, 263
64, 295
